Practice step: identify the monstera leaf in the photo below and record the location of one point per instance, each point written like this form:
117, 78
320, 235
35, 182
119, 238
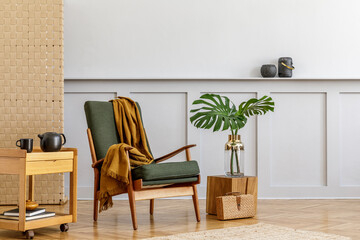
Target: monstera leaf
256, 106
218, 111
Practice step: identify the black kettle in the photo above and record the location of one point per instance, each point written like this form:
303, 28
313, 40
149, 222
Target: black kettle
51, 141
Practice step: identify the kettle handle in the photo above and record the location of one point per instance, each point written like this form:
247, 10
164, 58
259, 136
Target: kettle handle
64, 138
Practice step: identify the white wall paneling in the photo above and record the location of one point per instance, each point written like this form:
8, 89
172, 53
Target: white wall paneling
298, 140
349, 139
306, 149
165, 120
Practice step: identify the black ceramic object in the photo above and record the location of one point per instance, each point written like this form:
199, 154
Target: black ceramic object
285, 67
25, 143
51, 141
268, 70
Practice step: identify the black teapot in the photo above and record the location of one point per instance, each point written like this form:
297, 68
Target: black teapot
51, 141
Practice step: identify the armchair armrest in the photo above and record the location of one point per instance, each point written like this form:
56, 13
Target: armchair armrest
98, 164
172, 154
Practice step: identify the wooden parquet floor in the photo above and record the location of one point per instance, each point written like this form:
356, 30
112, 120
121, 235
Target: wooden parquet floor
177, 216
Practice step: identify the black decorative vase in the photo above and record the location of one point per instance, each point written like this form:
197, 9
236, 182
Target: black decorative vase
285, 67
268, 70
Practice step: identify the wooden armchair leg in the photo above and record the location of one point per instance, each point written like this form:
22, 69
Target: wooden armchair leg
133, 208
96, 207
96, 196
196, 203
152, 201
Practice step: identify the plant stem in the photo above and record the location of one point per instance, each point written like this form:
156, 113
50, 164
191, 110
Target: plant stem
237, 163
231, 162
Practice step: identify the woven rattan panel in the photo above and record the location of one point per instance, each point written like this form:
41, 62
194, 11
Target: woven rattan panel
31, 80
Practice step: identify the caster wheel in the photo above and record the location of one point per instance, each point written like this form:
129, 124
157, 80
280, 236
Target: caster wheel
64, 227
29, 234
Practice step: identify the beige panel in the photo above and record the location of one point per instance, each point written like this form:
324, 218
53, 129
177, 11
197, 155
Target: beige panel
32, 86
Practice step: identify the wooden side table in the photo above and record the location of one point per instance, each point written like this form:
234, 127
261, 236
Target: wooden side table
19, 162
220, 185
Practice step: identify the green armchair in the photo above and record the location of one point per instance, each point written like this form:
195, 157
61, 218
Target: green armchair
156, 180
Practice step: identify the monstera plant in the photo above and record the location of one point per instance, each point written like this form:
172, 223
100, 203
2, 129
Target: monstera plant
219, 114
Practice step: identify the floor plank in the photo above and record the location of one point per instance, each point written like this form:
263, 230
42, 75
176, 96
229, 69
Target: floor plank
177, 216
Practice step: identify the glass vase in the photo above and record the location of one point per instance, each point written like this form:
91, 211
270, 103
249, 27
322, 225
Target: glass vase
234, 157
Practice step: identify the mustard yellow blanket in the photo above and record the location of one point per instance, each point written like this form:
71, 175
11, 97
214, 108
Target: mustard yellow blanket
115, 169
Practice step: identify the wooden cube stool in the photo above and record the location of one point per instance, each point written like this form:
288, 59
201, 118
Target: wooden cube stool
220, 185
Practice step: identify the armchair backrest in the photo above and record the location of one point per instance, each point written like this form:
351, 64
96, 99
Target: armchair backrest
101, 121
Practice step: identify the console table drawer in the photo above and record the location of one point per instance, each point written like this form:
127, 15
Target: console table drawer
53, 166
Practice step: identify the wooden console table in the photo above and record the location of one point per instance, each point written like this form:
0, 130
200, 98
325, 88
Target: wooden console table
220, 185
19, 162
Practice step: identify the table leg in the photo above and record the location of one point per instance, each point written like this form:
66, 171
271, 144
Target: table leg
73, 189
22, 194
31, 187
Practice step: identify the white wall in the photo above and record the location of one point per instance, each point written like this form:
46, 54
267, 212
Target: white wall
210, 38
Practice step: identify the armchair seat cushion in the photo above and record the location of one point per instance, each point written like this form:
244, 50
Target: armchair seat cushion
166, 171
170, 181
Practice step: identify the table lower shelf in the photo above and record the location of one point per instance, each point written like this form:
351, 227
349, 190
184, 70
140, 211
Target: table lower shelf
38, 223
